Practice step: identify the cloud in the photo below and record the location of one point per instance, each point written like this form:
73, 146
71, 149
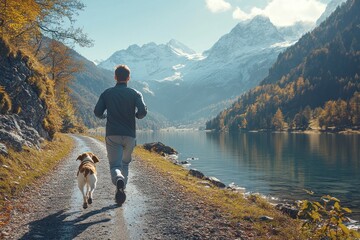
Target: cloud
217, 5
241, 15
285, 12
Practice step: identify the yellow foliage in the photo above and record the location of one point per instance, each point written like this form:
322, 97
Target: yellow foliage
5, 101
325, 221
18, 19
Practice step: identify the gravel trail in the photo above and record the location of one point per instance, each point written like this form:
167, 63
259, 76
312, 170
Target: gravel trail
156, 207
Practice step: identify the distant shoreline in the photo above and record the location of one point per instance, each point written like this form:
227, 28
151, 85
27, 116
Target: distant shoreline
308, 131
173, 129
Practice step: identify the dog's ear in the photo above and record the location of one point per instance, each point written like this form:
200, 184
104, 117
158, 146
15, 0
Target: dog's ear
80, 157
95, 159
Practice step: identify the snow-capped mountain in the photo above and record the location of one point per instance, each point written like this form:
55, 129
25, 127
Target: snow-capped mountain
153, 62
246, 37
238, 60
178, 78
330, 8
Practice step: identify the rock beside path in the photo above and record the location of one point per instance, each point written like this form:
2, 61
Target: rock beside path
160, 148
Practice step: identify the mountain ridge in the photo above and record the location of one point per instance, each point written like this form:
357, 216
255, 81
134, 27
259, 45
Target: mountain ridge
235, 63
314, 83
173, 76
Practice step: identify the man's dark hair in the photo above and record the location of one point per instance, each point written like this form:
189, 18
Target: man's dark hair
122, 72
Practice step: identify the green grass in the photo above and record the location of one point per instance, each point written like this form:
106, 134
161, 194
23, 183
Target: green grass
20, 169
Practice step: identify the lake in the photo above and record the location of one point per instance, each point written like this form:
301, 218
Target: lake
277, 165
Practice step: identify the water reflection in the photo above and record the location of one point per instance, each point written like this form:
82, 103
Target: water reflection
278, 164
289, 163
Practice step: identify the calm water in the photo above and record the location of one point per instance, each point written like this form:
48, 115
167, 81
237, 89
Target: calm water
279, 165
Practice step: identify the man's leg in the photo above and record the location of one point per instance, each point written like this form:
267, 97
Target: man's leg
114, 149
119, 150
129, 144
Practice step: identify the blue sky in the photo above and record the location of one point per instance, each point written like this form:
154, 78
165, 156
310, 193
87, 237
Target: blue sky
117, 24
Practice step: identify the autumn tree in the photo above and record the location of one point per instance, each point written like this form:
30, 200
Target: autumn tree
61, 67
335, 114
278, 122
18, 19
42, 27
24, 22
244, 123
60, 63
70, 123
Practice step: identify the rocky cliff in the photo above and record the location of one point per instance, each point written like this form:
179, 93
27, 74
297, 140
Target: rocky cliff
24, 114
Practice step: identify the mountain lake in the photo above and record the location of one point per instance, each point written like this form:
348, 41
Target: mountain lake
279, 166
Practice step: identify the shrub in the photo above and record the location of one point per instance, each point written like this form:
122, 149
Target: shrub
326, 220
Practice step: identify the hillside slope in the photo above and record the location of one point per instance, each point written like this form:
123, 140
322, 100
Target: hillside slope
316, 80
27, 108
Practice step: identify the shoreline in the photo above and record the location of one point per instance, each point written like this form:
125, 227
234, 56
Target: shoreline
279, 203
101, 131
307, 131
203, 184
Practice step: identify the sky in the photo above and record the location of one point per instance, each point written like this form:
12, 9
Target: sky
116, 24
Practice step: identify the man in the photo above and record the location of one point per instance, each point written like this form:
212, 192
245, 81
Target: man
122, 105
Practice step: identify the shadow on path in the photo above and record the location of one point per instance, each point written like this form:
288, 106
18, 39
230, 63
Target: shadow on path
56, 226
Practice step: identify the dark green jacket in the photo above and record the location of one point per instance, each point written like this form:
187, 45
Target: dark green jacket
122, 105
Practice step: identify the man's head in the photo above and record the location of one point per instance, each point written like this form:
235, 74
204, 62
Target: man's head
122, 73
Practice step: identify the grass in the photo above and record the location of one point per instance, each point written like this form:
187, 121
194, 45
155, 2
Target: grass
20, 169
234, 205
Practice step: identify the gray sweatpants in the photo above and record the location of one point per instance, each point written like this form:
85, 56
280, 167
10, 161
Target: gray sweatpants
119, 150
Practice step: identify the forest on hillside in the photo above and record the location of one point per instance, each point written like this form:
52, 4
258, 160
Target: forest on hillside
34, 32
313, 84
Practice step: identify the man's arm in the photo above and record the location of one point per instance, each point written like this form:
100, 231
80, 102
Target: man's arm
100, 108
141, 107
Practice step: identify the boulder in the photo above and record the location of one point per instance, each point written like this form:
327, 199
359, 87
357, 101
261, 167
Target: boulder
160, 148
196, 173
216, 182
183, 162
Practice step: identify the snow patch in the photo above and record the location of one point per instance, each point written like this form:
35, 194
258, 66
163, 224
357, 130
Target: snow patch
176, 76
146, 89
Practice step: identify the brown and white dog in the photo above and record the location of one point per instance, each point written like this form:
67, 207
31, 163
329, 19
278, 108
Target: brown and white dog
86, 176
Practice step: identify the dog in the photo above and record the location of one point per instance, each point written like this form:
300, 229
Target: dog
87, 176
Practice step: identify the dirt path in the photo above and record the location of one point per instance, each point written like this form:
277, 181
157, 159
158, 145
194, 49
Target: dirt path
54, 210
156, 208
